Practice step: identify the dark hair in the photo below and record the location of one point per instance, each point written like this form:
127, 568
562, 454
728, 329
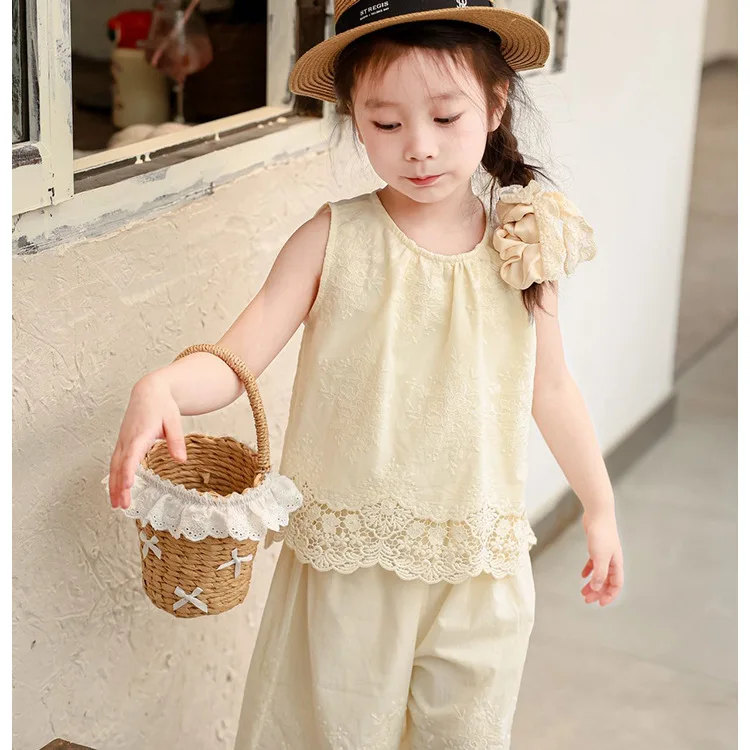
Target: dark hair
465, 43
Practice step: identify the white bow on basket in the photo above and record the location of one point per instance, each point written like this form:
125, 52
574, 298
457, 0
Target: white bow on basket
236, 561
192, 598
150, 545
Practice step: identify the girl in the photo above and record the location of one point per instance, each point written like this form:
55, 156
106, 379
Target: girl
402, 602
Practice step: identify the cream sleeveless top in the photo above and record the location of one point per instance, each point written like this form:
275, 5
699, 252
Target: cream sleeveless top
411, 407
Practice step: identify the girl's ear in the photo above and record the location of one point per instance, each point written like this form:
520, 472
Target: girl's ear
497, 115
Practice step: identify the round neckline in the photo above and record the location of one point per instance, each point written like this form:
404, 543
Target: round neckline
409, 242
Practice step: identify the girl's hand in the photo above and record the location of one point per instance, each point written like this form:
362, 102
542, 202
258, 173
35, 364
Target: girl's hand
151, 414
605, 563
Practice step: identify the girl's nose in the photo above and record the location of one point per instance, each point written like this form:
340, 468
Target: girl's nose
420, 145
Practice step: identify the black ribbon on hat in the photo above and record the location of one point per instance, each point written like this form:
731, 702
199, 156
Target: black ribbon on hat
363, 13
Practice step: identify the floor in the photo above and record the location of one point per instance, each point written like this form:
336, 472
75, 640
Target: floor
658, 669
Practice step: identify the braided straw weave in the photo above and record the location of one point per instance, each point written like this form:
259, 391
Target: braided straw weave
219, 466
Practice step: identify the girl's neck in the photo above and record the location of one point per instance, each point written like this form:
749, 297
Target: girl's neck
459, 207
448, 226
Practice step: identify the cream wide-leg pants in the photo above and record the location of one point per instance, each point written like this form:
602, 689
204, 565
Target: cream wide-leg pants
368, 661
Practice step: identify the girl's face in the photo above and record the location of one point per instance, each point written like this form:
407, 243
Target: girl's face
424, 124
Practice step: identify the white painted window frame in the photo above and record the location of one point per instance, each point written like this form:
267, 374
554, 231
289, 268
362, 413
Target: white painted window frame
43, 165
280, 54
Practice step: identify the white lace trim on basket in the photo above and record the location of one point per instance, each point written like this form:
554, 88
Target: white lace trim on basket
197, 515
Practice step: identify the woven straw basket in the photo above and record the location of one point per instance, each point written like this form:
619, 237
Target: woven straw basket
199, 522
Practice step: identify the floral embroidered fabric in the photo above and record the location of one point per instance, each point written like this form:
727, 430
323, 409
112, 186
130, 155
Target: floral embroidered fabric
411, 407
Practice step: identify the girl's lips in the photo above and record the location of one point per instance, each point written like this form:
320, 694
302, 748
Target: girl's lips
424, 181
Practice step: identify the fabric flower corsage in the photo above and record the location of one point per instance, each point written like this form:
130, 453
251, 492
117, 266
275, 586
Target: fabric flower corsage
541, 236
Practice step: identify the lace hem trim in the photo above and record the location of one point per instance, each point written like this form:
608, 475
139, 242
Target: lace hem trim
488, 541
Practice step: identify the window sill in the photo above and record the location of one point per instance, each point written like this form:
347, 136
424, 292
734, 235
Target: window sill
103, 205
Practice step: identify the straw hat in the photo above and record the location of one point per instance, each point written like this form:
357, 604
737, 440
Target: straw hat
525, 44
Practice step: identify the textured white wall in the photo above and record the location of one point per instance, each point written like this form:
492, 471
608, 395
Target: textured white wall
621, 127
93, 660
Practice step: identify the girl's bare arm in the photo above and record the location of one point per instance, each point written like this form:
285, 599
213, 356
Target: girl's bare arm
562, 418
202, 383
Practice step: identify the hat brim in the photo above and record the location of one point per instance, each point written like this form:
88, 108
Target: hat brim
524, 45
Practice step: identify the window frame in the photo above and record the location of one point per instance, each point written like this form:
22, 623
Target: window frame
45, 172
42, 167
288, 29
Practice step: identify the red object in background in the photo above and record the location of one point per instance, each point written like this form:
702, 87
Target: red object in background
128, 28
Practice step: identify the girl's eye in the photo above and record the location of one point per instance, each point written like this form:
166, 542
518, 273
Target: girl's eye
439, 120
447, 120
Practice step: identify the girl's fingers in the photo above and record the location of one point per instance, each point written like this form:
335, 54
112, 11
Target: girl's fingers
174, 436
606, 595
610, 585
589, 595
614, 584
609, 595
617, 572
114, 469
133, 456
586, 590
600, 571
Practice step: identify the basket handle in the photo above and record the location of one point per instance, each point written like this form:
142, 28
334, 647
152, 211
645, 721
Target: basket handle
241, 370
